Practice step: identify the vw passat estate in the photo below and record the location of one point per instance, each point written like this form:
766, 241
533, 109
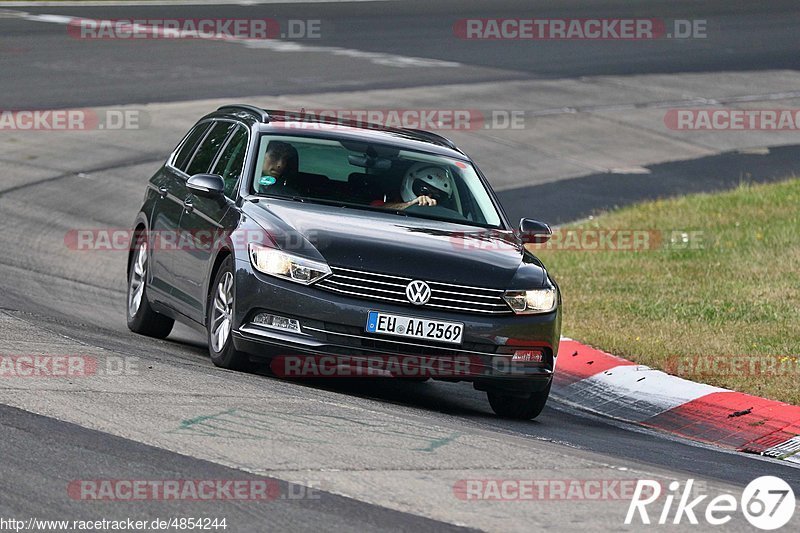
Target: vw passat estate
338, 248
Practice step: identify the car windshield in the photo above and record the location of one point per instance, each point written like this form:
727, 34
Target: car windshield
373, 176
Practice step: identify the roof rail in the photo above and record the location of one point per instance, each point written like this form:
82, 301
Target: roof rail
434, 137
247, 108
266, 114
302, 116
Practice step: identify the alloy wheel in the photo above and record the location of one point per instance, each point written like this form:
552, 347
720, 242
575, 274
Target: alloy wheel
138, 278
221, 312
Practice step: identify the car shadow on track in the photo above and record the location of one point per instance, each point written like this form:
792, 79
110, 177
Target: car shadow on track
455, 399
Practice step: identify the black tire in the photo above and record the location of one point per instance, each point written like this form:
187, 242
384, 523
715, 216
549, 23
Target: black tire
224, 354
519, 407
141, 317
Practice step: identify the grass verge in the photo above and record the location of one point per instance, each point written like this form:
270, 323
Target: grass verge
707, 287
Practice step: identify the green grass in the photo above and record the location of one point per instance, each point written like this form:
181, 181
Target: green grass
735, 292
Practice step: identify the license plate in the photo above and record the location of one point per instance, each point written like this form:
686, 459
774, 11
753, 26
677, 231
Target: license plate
414, 328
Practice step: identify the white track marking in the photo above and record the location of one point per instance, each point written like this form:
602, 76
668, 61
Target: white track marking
789, 450
273, 45
634, 393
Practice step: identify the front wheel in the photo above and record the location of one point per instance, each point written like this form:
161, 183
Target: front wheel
220, 321
520, 407
141, 317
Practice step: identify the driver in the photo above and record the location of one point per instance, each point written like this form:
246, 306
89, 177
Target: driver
280, 163
424, 184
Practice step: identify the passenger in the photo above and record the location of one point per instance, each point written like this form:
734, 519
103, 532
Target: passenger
423, 177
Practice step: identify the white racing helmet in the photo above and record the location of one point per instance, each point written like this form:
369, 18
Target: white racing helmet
433, 176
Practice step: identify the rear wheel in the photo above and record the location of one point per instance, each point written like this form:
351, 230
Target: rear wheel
521, 407
141, 317
220, 321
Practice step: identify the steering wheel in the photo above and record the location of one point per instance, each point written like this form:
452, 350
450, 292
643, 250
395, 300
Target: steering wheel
421, 188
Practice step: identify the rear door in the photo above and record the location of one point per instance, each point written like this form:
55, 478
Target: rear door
201, 220
165, 220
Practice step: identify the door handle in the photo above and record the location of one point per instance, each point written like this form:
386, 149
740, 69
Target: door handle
162, 192
188, 205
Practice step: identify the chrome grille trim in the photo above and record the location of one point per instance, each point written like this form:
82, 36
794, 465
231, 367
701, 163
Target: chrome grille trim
370, 273
340, 284
469, 310
403, 285
386, 287
488, 304
498, 292
361, 295
463, 293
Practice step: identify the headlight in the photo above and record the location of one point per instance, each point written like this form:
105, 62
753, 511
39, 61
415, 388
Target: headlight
532, 301
287, 266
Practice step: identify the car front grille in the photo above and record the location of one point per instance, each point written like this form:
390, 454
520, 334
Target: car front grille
390, 288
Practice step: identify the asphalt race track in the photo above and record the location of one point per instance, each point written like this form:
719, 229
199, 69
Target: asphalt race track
378, 455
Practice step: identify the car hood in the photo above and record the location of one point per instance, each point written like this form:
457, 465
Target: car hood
405, 246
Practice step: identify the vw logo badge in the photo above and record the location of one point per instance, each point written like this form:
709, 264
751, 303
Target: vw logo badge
418, 292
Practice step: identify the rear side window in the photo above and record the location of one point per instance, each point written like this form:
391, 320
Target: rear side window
231, 162
188, 146
208, 148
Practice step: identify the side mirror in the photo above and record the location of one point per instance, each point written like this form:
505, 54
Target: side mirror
534, 232
206, 185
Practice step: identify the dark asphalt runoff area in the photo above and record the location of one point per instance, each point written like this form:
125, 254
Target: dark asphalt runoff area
43, 70
40, 69
44, 458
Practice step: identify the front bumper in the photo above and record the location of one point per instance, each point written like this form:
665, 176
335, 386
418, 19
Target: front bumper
334, 325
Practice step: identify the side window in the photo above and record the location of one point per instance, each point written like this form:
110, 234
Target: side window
231, 162
329, 161
188, 146
208, 148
